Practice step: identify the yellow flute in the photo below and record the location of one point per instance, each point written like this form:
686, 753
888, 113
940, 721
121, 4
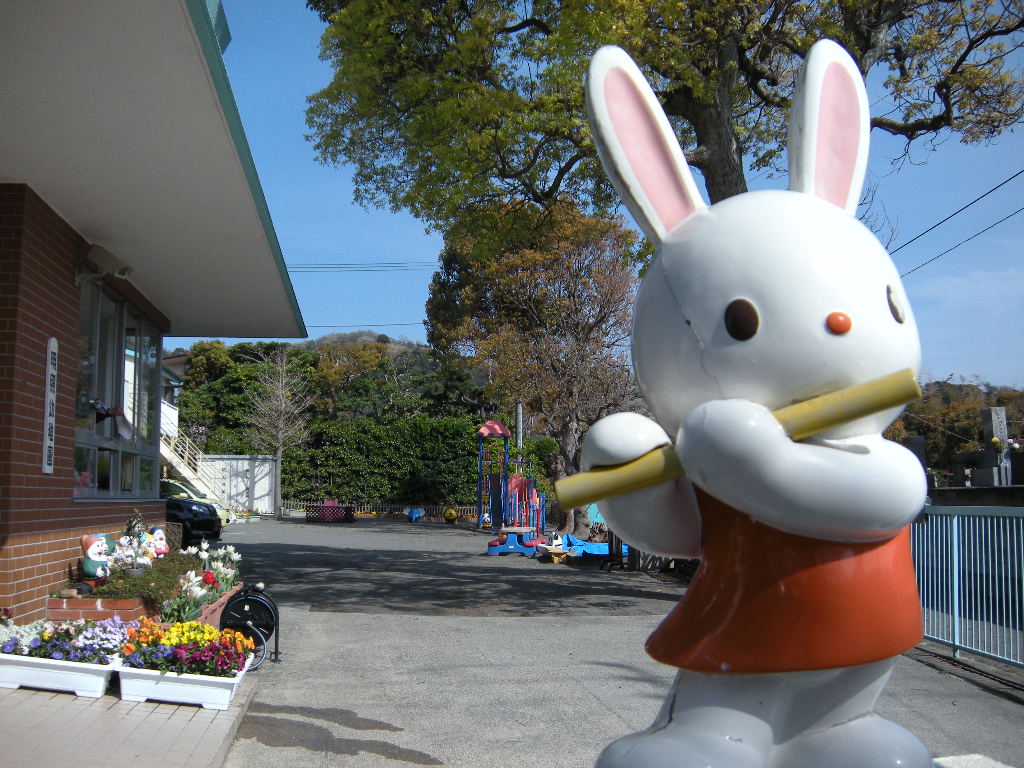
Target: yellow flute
799, 420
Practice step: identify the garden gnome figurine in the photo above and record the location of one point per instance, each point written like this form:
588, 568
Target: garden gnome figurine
159, 541
806, 592
95, 566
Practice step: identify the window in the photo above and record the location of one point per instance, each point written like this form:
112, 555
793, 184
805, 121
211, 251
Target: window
117, 448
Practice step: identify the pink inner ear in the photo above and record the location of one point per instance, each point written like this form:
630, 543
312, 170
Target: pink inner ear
648, 157
838, 136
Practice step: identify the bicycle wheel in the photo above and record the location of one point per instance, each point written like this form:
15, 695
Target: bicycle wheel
249, 611
259, 646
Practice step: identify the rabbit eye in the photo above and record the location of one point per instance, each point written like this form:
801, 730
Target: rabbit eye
741, 319
894, 307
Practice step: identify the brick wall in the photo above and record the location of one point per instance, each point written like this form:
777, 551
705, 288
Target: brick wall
40, 524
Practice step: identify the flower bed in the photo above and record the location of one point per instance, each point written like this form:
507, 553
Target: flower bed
186, 647
76, 656
186, 662
81, 679
180, 688
200, 589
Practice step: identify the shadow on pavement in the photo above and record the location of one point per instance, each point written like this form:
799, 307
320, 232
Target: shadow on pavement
360, 573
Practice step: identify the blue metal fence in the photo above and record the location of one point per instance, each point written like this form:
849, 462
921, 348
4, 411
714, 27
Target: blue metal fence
970, 572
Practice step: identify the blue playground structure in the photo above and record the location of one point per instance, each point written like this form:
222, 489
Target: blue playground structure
506, 496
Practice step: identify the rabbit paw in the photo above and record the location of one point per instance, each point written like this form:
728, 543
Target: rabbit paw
620, 438
662, 520
861, 488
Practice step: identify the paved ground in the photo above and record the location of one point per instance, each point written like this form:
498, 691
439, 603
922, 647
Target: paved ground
406, 645
403, 645
47, 729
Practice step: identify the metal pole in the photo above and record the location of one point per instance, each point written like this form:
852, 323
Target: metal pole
480, 484
955, 591
504, 488
519, 427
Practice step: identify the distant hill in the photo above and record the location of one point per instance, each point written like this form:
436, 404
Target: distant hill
361, 337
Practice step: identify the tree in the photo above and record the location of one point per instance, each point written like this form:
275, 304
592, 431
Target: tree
441, 106
279, 401
340, 366
548, 324
206, 361
948, 416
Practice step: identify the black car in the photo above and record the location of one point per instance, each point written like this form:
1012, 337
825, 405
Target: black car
198, 519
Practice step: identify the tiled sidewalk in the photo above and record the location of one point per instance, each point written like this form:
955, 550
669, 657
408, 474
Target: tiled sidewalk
48, 729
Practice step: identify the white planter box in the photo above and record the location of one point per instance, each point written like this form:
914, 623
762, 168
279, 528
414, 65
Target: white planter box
81, 679
210, 692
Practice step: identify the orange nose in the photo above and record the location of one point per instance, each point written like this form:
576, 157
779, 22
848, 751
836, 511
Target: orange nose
839, 323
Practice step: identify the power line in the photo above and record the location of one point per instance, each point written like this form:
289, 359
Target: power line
942, 429
933, 226
981, 232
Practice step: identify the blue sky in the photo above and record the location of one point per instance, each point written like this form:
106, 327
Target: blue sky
969, 303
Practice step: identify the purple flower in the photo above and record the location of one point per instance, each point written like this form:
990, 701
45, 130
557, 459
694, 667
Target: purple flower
134, 660
57, 655
9, 645
35, 643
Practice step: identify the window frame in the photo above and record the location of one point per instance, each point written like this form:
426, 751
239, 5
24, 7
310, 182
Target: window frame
111, 329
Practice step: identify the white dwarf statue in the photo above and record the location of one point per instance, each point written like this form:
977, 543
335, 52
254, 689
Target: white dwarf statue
806, 591
159, 541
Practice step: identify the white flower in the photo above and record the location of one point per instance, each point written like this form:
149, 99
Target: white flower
190, 551
205, 545
235, 557
204, 556
230, 549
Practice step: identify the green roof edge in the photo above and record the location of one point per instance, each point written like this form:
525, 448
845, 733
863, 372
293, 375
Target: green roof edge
211, 47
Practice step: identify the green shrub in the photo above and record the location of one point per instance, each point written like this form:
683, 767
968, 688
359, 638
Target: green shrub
157, 584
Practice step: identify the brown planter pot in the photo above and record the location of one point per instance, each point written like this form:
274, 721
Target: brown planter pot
211, 614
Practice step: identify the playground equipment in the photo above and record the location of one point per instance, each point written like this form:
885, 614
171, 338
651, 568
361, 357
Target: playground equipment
506, 493
518, 539
414, 514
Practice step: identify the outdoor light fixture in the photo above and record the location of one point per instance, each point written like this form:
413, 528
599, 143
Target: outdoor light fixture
107, 264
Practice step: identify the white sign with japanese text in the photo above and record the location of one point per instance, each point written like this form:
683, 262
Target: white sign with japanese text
50, 406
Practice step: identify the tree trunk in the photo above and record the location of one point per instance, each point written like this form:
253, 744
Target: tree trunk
723, 173
573, 521
719, 156
277, 482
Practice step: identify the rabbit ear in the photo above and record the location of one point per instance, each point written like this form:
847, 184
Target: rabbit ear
637, 146
829, 127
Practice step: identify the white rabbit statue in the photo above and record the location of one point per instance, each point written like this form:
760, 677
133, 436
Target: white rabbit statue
806, 592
